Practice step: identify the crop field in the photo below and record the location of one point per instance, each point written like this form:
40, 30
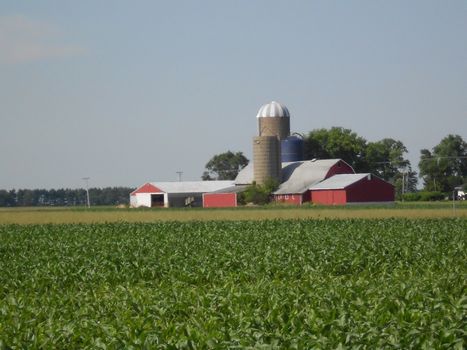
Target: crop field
352, 283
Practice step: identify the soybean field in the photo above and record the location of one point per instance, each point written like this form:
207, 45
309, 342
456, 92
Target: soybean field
288, 284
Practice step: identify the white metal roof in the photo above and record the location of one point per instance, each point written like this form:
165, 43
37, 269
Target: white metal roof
192, 186
245, 176
273, 109
296, 177
339, 182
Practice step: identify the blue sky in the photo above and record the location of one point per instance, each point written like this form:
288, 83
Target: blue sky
128, 92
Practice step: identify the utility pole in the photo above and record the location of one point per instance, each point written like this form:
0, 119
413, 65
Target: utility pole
88, 202
403, 185
179, 175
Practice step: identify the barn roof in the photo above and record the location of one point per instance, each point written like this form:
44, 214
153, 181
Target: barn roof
339, 182
309, 169
297, 177
232, 189
192, 186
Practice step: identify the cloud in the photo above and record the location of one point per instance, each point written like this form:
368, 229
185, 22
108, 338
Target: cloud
25, 40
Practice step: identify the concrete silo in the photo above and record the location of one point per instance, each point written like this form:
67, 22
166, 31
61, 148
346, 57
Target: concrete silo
266, 158
273, 126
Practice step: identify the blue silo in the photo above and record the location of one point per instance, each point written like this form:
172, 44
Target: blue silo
292, 149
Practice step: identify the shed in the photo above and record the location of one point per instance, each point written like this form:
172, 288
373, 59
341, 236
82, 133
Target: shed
352, 188
227, 197
175, 194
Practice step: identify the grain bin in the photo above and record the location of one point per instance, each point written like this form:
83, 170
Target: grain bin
292, 149
266, 158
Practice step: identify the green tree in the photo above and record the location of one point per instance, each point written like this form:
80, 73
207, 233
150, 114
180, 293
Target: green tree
445, 167
259, 194
337, 142
385, 159
7, 198
225, 166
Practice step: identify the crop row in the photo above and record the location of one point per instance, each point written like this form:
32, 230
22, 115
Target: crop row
285, 284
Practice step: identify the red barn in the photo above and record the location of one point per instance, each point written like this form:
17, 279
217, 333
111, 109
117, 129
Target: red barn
352, 188
298, 177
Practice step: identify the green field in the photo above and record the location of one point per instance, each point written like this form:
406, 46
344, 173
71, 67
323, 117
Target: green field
353, 283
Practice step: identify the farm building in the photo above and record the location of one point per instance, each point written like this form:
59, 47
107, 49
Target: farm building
227, 197
352, 188
297, 177
175, 194
277, 155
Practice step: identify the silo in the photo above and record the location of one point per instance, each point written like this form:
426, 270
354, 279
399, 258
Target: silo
266, 158
292, 149
274, 120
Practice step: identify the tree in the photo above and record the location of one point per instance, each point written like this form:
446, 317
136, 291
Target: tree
68, 197
445, 167
385, 159
259, 194
225, 166
7, 198
337, 142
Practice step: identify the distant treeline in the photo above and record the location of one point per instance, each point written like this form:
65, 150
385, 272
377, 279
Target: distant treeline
64, 197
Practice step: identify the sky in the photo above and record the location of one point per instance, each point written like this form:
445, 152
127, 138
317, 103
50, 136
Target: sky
126, 92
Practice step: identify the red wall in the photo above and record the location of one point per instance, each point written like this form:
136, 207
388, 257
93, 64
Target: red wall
219, 200
328, 197
289, 198
299, 198
340, 168
374, 190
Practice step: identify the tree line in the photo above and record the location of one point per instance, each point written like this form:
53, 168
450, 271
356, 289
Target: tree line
64, 197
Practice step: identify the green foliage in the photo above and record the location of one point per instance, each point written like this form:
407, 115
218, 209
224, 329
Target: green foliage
383, 158
311, 284
445, 167
411, 197
259, 194
225, 166
64, 197
337, 142
424, 196
431, 196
